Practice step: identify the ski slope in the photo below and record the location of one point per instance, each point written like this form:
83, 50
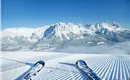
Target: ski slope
61, 66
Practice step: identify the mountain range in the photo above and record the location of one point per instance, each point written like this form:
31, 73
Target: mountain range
60, 35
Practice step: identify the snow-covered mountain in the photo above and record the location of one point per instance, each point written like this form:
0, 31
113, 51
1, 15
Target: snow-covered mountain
61, 35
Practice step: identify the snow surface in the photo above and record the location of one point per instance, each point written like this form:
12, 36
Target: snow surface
66, 42
61, 66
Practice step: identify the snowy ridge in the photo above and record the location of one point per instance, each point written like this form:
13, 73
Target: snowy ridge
63, 33
28, 33
62, 29
65, 29
13, 32
115, 27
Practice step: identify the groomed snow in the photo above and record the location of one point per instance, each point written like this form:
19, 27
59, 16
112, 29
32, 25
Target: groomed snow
61, 66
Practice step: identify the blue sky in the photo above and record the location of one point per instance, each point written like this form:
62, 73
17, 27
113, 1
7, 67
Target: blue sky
37, 13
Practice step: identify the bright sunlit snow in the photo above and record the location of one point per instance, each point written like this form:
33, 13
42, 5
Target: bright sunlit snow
103, 46
62, 66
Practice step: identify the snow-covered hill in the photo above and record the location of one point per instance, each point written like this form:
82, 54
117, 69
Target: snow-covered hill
61, 66
60, 34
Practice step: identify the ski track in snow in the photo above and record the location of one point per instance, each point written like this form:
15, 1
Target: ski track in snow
61, 66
